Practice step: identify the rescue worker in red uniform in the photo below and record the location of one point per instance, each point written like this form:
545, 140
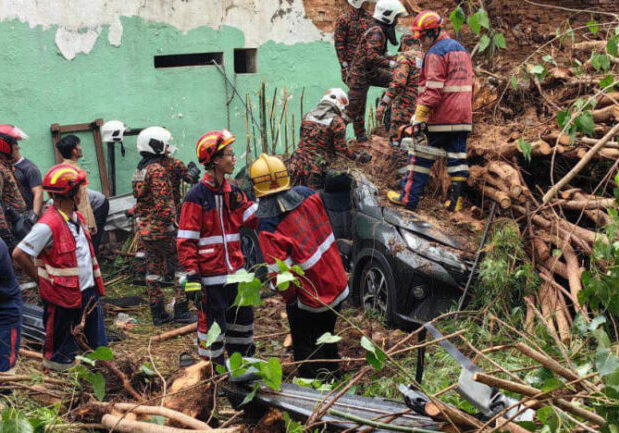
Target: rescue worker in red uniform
295, 228
371, 65
323, 135
349, 28
209, 248
444, 107
11, 201
401, 96
156, 216
66, 268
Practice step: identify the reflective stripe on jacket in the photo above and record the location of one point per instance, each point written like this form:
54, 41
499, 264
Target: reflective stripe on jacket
209, 239
446, 86
57, 266
304, 237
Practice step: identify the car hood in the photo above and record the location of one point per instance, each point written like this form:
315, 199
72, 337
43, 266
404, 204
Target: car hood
419, 227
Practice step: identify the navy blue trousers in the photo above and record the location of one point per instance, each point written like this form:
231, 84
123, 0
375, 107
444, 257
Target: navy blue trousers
9, 346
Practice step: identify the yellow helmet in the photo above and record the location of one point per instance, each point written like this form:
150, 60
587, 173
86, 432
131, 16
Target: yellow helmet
269, 175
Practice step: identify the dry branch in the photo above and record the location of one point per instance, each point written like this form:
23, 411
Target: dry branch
170, 414
175, 333
126, 426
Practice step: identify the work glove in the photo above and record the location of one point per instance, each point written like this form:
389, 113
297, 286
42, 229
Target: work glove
193, 289
362, 157
193, 172
419, 127
419, 119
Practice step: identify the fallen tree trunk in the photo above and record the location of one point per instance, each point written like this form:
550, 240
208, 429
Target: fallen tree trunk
606, 114
587, 204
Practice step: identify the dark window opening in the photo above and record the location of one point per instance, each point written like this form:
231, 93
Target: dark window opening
195, 59
245, 60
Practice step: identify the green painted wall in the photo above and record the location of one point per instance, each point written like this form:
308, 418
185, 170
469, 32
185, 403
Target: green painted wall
40, 87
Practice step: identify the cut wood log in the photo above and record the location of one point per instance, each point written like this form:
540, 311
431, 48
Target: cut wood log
609, 98
188, 392
529, 391
176, 333
589, 45
170, 414
587, 204
542, 249
580, 165
499, 196
444, 412
126, 426
30, 354
606, 114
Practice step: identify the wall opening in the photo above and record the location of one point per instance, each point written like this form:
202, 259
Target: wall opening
182, 60
245, 60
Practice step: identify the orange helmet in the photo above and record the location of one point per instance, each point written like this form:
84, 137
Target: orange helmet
211, 143
425, 20
64, 179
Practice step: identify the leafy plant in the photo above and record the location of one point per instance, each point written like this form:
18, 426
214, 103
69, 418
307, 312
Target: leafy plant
96, 380
526, 148
489, 39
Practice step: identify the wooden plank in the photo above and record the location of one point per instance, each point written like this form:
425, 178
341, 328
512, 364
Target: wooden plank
55, 128
96, 132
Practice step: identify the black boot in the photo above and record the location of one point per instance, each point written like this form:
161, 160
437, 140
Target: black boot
454, 201
159, 314
182, 313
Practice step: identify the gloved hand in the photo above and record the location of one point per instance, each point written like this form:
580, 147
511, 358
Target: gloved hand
363, 157
193, 172
193, 289
419, 127
419, 119
380, 113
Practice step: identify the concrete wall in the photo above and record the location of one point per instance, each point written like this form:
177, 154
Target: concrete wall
74, 61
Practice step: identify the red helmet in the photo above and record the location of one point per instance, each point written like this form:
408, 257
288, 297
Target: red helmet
425, 20
64, 179
9, 135
211, 143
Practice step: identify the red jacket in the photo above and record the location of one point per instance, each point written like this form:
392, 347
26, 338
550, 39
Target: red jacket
57, 266
446, 86
209, 240
303, 237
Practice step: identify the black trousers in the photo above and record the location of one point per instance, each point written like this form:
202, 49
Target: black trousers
306, 327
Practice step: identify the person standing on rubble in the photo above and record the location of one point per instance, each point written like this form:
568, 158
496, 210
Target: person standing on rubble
10, 312
349, 28
295, 228
323, 135
70, 148
371, 66
66, 269
29, 179
444, 108
156, 216
11, 200
209, 249
402, 93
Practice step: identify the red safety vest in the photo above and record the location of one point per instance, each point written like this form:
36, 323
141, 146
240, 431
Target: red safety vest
57, 266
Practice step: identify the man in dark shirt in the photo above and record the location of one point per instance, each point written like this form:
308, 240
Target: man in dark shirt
10, 311
28, 176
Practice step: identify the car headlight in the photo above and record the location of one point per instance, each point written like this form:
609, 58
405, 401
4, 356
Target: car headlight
412, 241
420, 291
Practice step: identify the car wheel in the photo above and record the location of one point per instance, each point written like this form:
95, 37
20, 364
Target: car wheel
377, 289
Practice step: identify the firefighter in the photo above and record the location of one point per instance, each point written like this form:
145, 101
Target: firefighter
294, 228
178, 171
156, 216
11, 200
66, 268
401, 96
444, 107
371, 66
209, 248
349, 29
323, 134
10, 312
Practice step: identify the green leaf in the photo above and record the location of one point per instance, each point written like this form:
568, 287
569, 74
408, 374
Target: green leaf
248, 294
85, 360
484, 42
602, 338
249, 397
611, 47
147, 370
212, 334
600, 62
557, 252
526, 148
593, 26
374, 356
282, 266
457, 18
297, 270
474, 24
538, 70
483, 18
585, 123
606, 82
102, 353
98, 385
236, 362
271, 373
548, 417
368, 344
606, 362
499, 40
563, 117
551, 384
220, 369
284, 279
514, 82
549, 59
596, 322
241, 276
328, 338
14, 421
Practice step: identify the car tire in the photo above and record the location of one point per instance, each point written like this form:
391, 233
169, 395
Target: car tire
377, 288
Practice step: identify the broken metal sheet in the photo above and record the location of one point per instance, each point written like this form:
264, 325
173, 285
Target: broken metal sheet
300, 402
117, 219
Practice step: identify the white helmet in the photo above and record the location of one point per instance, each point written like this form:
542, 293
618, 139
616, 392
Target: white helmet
338, 97
356, 3
387, 11
154, 139
112, 131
